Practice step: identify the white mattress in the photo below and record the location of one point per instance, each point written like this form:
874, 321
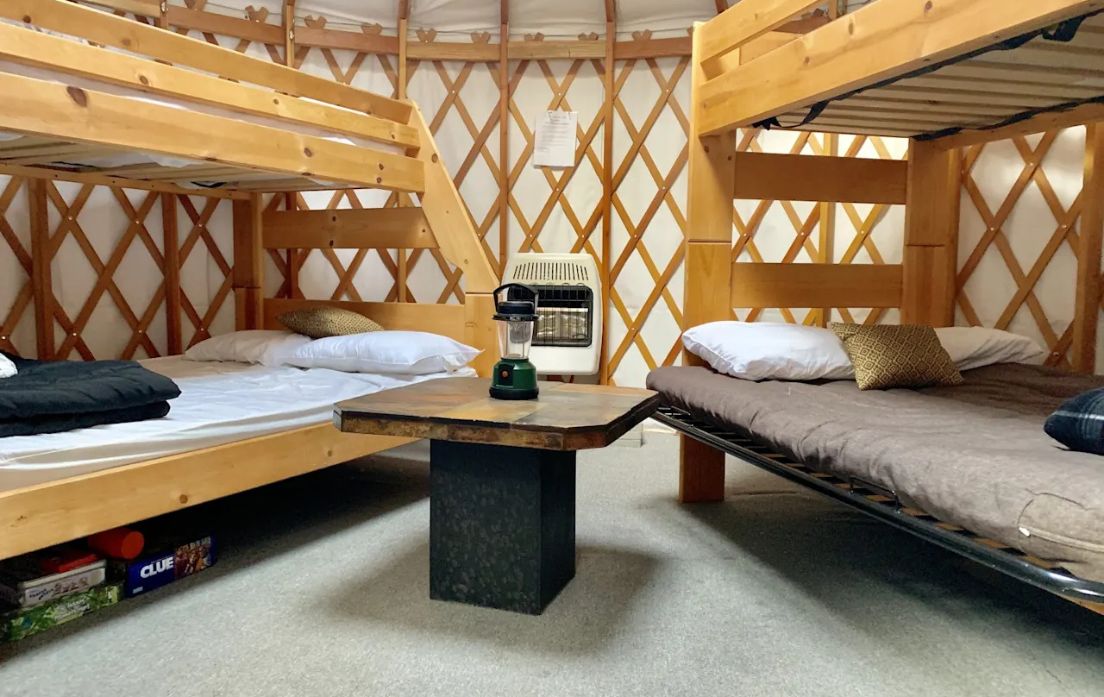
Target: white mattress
219, 403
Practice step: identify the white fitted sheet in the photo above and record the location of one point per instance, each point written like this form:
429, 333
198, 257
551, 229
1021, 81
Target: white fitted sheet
219, 403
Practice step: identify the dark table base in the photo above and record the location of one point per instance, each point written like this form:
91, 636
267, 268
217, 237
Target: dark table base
502, 525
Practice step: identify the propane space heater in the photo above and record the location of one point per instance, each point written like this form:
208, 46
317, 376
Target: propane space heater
568, 338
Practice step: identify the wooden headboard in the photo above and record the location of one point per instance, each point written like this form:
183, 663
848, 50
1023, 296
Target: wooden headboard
440, 319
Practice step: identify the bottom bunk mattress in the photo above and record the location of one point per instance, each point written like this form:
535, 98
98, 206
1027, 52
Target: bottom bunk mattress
219, 403
974, 455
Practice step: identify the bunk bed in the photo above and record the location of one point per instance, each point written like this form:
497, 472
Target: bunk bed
945, 74
97, 98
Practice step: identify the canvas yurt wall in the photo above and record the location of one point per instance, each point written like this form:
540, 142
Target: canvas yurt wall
92, 271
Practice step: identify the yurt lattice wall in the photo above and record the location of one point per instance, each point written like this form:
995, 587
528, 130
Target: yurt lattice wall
624, 203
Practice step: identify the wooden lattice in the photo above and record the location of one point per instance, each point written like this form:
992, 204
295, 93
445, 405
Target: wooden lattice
468, 148
995, 249
628, 325
16, 271
574, 222
546, 210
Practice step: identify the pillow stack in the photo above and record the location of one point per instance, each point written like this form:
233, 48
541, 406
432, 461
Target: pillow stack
877, 357
338, 339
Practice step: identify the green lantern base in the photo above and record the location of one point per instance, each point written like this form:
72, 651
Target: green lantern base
514, 378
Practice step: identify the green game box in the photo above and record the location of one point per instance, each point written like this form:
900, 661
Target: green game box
23, 622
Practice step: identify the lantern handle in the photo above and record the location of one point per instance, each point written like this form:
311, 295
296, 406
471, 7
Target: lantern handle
532, 293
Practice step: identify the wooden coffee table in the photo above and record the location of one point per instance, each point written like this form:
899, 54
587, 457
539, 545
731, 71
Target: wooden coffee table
502, 478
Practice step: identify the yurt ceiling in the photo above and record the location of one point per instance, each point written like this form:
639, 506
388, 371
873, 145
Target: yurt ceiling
564, 18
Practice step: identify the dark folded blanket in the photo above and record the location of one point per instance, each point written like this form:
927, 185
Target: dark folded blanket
54, 396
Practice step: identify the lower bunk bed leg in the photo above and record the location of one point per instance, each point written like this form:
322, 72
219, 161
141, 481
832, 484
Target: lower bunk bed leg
701, 472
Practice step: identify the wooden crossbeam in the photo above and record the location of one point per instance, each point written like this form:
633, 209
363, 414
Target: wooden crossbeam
368, 228
880, 40
38, 516
49, 109
819, 178
224, 24
33, 48
119, 32
743, 22
816, 285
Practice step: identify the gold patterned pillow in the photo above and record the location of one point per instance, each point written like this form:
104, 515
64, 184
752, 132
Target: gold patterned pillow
888, 356
321, 322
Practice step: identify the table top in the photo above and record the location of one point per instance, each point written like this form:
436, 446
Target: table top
566, 416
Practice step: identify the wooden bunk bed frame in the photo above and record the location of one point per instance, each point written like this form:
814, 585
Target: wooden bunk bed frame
928, 70
238, 159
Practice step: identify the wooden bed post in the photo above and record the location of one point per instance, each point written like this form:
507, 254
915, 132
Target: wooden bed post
41, 276
1087, 303
708, 271
931, 234
248, 269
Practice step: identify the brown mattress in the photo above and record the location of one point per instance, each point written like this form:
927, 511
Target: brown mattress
974, 455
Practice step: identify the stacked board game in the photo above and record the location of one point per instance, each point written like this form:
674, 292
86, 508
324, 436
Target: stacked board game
44, 589
23, 622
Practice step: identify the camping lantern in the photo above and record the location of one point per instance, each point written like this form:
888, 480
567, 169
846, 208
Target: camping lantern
514, 376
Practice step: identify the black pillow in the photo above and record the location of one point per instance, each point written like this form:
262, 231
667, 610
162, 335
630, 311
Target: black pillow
1079, 423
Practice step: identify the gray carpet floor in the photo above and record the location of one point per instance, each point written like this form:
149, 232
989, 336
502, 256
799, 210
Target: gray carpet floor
322, 590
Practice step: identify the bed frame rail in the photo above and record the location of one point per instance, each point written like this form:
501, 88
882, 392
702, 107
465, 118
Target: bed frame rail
885, 506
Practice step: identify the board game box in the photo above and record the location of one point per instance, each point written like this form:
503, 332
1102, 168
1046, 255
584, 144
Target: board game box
23, 622
31, 579
156, 569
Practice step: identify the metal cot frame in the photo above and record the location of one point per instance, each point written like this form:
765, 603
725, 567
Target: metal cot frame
884, 505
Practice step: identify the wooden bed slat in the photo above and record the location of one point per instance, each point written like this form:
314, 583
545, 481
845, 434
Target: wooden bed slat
368, 228
819, 178
50, 109
103, 180
881, 40
816, 285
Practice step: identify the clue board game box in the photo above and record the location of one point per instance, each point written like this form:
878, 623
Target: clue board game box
33, 579
158, 568
19, 623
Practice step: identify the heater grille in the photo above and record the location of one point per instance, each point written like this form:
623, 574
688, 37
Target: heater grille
564, 315
551, 271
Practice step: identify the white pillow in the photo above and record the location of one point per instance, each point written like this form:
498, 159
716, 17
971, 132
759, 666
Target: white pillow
407, 353
7, 368
265, 346
974, 347
770, 351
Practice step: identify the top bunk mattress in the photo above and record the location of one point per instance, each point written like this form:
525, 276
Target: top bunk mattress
974, 455
219, 403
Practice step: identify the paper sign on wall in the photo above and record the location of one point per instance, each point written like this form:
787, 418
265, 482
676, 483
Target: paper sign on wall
555, 139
